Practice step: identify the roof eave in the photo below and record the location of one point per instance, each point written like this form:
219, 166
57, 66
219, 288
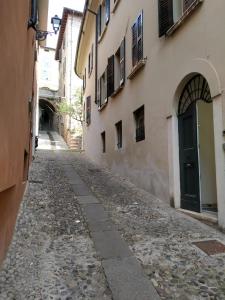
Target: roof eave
80, 37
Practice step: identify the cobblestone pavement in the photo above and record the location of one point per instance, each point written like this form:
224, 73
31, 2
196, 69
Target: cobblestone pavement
52, 255
159, 236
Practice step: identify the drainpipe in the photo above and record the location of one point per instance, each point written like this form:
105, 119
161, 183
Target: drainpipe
33, 16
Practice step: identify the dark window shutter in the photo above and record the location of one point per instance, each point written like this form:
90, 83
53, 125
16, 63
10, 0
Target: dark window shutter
92, 57
122, 62
165, 16
88, 110
140, 37
134, 44
99, 92
110, 76
84, 79
187, 4
89, 64
99, 26
107, 11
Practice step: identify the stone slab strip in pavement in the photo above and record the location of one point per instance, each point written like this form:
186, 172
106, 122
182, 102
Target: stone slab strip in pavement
110, 245
124, 274
84, 200
81, 189
127, 280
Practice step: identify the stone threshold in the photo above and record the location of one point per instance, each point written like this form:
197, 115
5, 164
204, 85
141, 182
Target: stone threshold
204, 216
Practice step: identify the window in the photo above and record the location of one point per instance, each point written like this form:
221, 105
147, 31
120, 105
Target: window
119, 137
139, 124
119, 76
116, 70
84, 79
103, 142
137, 40
88, 110
91, 61
102, 90
177, 9
113, 77
110, 76
171, 11
103, 16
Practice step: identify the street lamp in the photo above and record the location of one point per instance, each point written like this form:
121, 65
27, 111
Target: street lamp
42, 35
56, 22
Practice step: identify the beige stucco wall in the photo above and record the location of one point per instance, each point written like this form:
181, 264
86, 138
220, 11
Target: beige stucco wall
196, 47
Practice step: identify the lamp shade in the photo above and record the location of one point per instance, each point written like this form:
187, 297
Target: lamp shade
56, 22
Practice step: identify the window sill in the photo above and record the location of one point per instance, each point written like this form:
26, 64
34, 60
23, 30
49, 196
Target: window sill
182, 19
119, 149
102, 34
115, 6
100, 108
139, 139
117, 91
137, 68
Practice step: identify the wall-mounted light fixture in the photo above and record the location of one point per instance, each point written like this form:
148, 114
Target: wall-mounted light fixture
42, 35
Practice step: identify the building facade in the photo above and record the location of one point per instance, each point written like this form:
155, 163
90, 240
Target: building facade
18, 98
48, 84
154, 96
70, 85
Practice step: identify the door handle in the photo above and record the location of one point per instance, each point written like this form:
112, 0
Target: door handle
188, 165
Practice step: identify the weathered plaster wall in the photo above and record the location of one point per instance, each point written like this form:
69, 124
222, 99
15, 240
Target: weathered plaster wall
16, 86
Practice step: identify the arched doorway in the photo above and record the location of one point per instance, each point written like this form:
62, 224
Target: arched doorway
46, 116
197, 147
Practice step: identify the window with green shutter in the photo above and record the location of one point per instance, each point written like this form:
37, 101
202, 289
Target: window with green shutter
103, 17
171, 12
122, 62
137, 40
165, 16
88, 110
110, 76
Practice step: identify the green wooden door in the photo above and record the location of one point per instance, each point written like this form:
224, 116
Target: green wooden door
189, 166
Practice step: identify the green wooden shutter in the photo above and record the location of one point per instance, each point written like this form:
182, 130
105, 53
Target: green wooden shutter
165, 11
92, 57
99, 25
134, 44
99, 92
122, 62
110, 76
140, 37
107, 11
88, 110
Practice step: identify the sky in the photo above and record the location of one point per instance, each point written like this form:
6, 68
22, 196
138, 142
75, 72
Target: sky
56, 8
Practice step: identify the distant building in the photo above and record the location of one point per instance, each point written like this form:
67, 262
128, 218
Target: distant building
48, 79
155, 101
70, 84
18, 53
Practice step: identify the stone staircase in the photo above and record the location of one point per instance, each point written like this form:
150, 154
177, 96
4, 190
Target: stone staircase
75, 143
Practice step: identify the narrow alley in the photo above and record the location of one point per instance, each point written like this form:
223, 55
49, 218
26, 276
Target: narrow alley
66, 246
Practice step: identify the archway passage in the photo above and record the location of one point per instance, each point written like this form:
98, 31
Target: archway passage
196, 147
46, 116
